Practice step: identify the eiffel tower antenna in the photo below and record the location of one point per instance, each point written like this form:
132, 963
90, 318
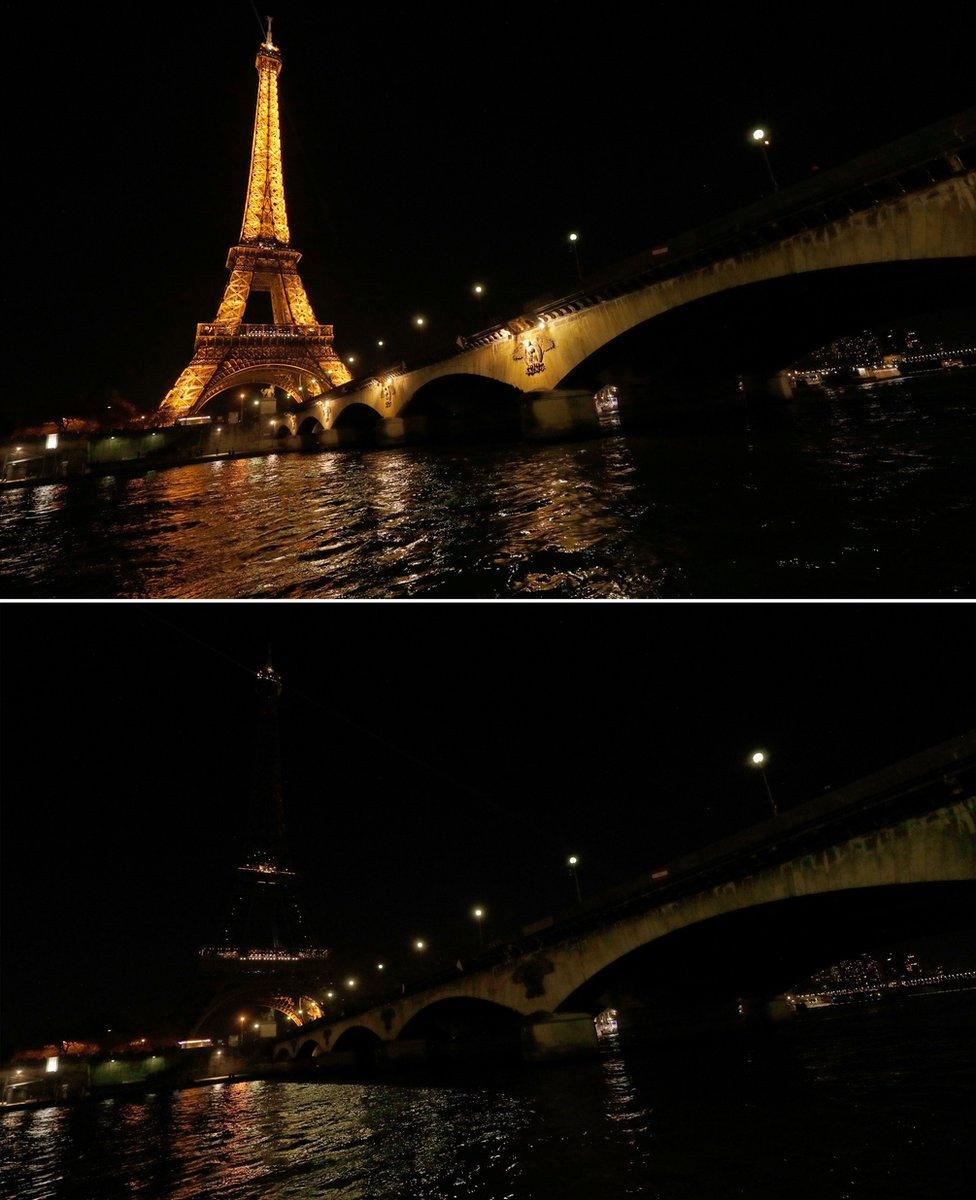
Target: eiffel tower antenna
294, 352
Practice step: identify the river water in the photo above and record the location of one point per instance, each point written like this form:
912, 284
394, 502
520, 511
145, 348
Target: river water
858, 492
841, 1104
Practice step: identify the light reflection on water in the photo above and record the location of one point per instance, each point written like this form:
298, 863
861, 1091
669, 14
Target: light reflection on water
860, 492
848, 1103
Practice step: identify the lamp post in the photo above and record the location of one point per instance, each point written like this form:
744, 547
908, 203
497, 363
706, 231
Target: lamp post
573, 862
241, 1021
761, 138
479, 293
574, 240
758, 759
242, 396
478, 912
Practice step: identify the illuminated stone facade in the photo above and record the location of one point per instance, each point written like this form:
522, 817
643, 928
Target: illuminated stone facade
294, 352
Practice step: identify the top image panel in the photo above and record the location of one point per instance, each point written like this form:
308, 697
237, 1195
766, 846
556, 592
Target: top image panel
309, 308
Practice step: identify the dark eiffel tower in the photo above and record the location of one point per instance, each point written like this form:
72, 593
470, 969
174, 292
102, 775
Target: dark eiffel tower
266, 954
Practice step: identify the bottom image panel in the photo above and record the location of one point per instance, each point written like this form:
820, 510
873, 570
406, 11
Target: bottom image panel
490, 901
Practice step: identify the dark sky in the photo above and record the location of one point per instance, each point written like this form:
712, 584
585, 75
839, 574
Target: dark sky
618, 733
426, 147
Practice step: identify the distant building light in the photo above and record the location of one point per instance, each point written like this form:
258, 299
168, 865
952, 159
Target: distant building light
52, 444
51, 1064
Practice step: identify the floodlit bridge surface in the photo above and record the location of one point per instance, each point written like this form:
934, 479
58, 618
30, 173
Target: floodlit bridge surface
911, 201
911, 824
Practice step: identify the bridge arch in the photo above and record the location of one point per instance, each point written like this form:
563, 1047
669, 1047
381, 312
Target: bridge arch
358, 1040
357, 423
464, 1019
460, 404
872, 871
763, 326
308, 1049
771, 947
309, 431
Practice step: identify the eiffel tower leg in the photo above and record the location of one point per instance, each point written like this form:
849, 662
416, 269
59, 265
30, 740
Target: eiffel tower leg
297, 299
234, 300
186, 391
334, 370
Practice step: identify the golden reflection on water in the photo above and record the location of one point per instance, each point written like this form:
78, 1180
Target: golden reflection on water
846, 495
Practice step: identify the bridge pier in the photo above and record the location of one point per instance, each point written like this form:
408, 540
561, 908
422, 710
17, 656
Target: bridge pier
769, 387
558, 413
412, 1052
553, 1037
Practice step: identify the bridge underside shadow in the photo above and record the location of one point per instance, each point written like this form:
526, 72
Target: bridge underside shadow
762, 328
699, 974
461, 406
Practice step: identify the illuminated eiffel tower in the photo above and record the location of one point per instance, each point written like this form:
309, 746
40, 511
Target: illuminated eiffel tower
295, 352
266, 954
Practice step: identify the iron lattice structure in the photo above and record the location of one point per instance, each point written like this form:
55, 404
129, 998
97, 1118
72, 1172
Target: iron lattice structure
295, 352
266, 953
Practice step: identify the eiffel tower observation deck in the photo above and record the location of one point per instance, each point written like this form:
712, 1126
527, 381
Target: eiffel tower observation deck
266, 952
294, 352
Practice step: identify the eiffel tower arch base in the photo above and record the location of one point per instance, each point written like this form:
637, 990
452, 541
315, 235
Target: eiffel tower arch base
301, 370
289, 997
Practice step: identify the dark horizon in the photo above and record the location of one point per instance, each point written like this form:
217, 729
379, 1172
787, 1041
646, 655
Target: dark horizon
415, 786
441, 153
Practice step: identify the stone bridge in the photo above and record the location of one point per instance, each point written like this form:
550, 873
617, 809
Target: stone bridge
908, 832
914, 201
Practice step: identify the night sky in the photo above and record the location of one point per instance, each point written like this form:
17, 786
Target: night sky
435, 756
426, 147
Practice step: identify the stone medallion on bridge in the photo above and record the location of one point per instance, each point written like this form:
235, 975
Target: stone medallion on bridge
532, 975
531, 348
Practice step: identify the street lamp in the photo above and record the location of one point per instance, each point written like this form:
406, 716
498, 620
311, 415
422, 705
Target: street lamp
758, 759
574, 239
573, 862
479, 292
240, 1021
761, 138
242, 396
478, 913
